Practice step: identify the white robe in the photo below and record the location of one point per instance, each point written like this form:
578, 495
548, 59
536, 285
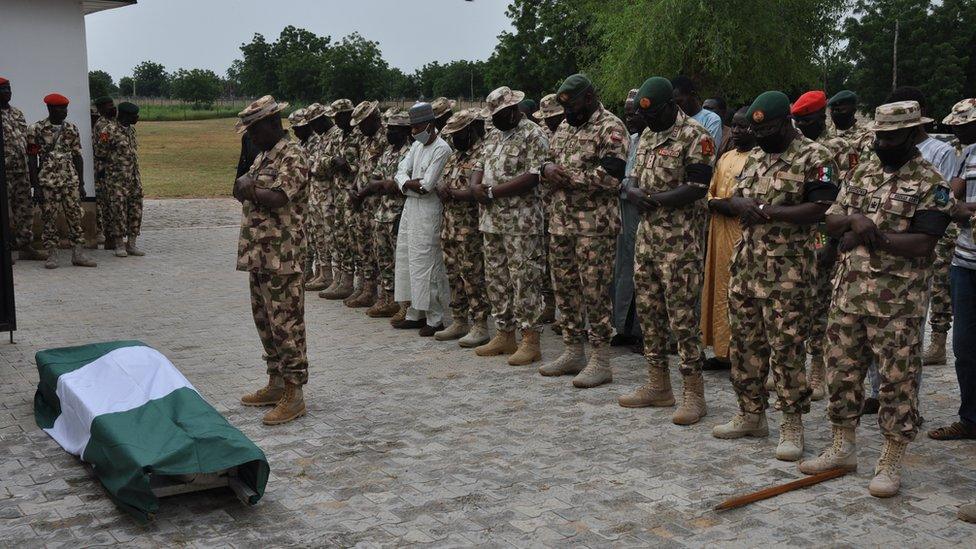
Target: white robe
420, 276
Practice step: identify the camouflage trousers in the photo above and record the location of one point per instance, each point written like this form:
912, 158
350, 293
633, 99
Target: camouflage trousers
22, 209
360, 234
581, 268
133, 208
112, 196
384, 244
768, 334
819, 309
465, 264
101, 202
278, 306
61, 199
668, 305
315, 226
895, 345
515, 273
940, 306
343, 248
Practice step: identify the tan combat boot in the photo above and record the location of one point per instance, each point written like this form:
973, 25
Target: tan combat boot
478, 335
458, 329
341, 288
120, 252
502, 344
384, 307
28, 253
817, 377
400, 315
841, 454
268, 395
570, 362
692, 407
52, 259
968, 513
132, 249
887, 474
597, 371
528, 350
290, 407
790, 447
366, 297
657, 392
936, 353
317, 282
358, 286
79, 258
743, 425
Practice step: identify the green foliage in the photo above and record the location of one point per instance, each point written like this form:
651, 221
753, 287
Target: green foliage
126, 84
355, 68
100, 83
151, 79
170, 113
464, 79
197, 86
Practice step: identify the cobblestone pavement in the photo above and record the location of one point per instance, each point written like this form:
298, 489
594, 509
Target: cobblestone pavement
410, 441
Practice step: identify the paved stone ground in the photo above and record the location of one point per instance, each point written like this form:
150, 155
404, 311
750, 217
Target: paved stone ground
411, 441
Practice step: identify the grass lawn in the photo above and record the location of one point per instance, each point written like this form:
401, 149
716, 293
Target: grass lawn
194, 159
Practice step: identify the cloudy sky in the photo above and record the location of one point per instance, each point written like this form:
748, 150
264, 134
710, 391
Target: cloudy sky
208, 33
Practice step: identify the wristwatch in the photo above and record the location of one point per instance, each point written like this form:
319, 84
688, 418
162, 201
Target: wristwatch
761, 206
491, 193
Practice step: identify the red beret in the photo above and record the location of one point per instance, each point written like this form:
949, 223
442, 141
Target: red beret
809, 103
56, 100
3, 81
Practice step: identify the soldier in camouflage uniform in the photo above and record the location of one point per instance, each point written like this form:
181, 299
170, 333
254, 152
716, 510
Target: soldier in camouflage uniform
461, 242
104, 122
551, 114
367, 123
786, 186
670, 174
118, 168
888, 217
132, 178
272, 248
18, 179
339, 162
844, 124
506, 184
588, 153
321, 201
443, 111
56, 170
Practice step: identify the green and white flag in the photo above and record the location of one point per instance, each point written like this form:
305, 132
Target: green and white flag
124, 408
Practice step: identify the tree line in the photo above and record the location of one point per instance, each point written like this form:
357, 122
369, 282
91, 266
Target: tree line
733, 49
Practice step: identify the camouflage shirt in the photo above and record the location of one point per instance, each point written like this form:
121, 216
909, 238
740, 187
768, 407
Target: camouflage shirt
320, 158
345, 145
55, 147
879, 283
104, 141
130, 156
672, 234
370, 149
14, 139
844, 154
506, 156
857, 136
589, 205
775, 260
273, 240
390, 205
460, 218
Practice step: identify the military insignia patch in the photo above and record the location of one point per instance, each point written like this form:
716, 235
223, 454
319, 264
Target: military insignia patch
758, 116
852, 160
826, 174
707, 146
616, 137
33, 148
914, 199
645, 103
941, 195
875, 204
103, 137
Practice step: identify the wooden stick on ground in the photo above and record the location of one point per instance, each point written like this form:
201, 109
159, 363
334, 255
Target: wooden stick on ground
774, 491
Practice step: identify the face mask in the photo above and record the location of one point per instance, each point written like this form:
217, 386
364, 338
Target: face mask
842, 120
577, 118
461, 140
897, 155
505, 120
422, 137
813, 130
660, 120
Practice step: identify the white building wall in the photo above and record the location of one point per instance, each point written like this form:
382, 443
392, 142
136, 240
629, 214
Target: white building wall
42, 51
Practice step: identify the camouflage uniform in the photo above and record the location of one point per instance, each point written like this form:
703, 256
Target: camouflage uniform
386, 218
513, 229
313, 219
273, 249
583, 224
669, 256
879, 299
111, 174
133, 182
18, 178
102, 158
361, 230
322, 209
858, 138
461, 242
55, 147
772, 279
345, 145
940, 307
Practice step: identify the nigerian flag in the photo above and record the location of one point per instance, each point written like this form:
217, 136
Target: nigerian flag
125, 409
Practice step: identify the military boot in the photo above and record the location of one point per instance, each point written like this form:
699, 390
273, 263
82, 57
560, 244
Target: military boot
325, 271
936, 353
358, 286
120, 252
400, 315
597, 371
28, 253
887, 474
79, 258
528, 350
478, 335
817, 377
502, 344
290, 407
132, 248
341, 288
317, 282
571, 362
458, 329
52, 259
366, 297
790, 447
268, 395
692, 407
549, 313
384, 307
656, 392
841, 454
743, 425
968, 513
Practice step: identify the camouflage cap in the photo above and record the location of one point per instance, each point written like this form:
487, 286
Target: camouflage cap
442, 105
896, 116
398, 117
363, 110
342, 105
963, 112
548, 108
258, 110
461, 120
298, 118
502, 98
313, 111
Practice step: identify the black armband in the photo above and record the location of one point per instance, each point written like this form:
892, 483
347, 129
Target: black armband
616, 167
698, 173
819, 191
930, 222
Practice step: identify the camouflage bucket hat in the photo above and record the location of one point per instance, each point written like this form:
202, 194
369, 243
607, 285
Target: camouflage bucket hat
461, 120
298, 118
363, 110
963, 112
313, 111
441, 105
896, 116
502, 98
342, 105
398, 117
258, 110
548, 108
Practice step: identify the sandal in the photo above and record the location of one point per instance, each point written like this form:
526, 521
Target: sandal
956, 431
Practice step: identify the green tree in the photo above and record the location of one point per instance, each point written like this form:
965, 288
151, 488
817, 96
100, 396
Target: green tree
455, 79
355, 68
151, 79
198, 86
299, 57
126, 84
255, 73
100, 83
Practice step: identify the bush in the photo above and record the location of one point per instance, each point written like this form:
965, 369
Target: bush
198, 86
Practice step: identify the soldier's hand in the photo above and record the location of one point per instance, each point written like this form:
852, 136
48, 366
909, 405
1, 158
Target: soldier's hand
848, 242
556, 176
480, 193
242, 187
749, 211
415, 186
866, 231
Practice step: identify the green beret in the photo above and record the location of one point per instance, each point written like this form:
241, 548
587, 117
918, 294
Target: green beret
843, 96
655, 91
102, 100
573, 86
769, 105
528, 105
128, 108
